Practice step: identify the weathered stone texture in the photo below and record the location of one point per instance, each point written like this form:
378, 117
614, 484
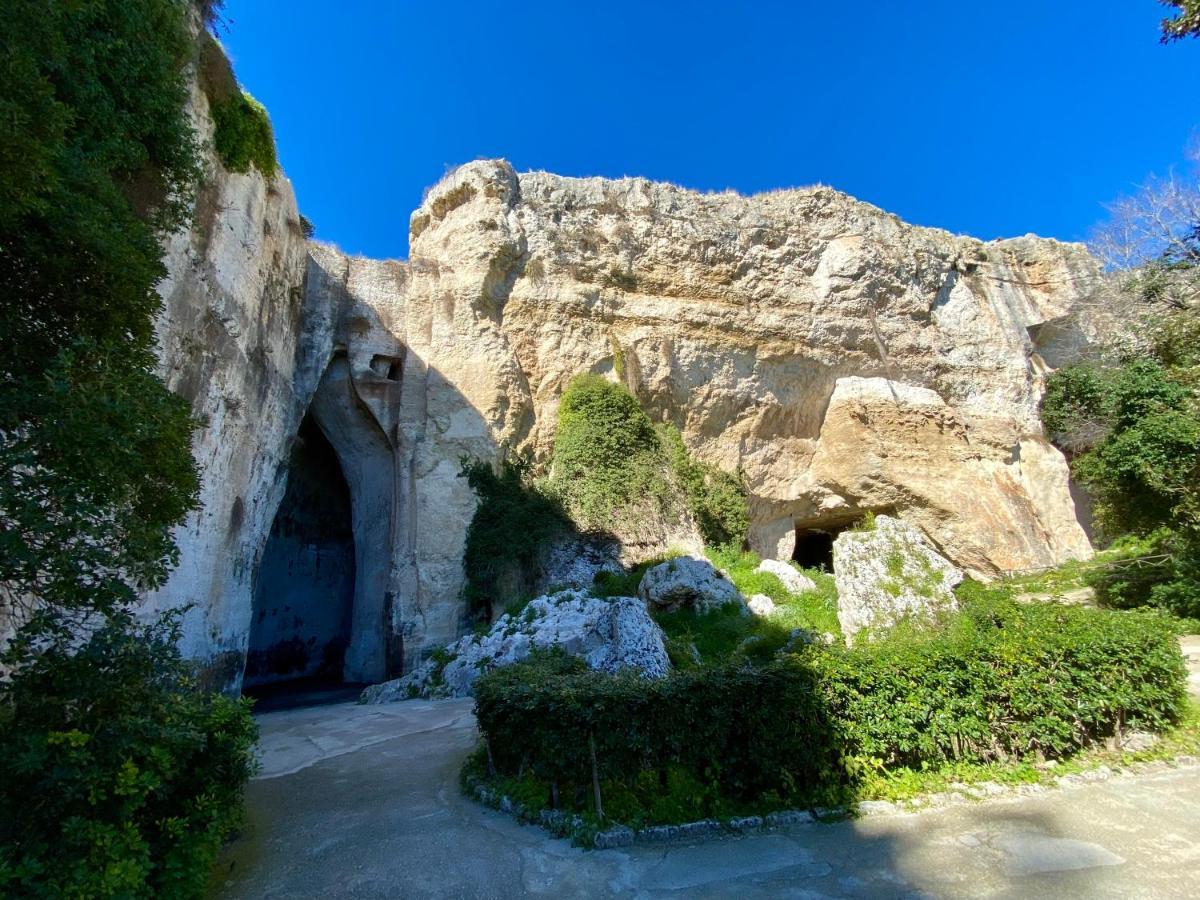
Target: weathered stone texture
843, 360
888, 574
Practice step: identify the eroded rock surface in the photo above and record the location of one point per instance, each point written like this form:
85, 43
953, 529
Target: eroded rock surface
842, 360
608, 634
687, 583
890, 573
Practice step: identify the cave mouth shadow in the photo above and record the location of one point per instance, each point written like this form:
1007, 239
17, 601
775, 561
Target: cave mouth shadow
303, 600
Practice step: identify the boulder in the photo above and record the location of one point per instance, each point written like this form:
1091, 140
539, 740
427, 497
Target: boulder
687, 582
608, 634
888, 574
761, 605
575, 561
793, 581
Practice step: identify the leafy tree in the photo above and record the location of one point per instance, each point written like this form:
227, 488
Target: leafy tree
118, 777
1184, 23
97, 160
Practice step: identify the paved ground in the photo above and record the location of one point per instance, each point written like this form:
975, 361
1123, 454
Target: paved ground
363, 801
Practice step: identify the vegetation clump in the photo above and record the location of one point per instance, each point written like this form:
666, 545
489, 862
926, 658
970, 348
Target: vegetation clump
242, 133
612, 467
120, 778
516, 519
810, 727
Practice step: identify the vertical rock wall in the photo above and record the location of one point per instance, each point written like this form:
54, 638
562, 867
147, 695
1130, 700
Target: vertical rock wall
841, 359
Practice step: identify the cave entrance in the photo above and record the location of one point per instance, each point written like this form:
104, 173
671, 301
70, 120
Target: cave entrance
814, 547
304, 591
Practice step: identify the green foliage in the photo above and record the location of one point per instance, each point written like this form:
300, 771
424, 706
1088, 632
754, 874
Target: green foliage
242, 134
514, 521
97, 159
606, 453
1184, 23
94, 470
118, 778
717, 499
1140, 428
1002, 682
612, 467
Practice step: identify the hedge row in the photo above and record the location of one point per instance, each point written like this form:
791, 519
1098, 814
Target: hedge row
1001, 681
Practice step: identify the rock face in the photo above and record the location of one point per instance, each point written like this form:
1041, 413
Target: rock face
608, 634
843, 360
688, 583
887, 574
793, 581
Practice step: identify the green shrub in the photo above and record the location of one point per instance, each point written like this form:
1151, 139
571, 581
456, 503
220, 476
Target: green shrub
717, 499
1136, 430
118, 777
613, 468
1003, 681
243, 136
242, 133
514, 521
606, 453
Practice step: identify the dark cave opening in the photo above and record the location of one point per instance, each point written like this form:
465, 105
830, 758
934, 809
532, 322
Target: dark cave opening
304, 588
814, 548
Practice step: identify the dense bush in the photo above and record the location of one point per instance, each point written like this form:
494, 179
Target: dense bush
611, 466
97, 160
717, 499
606, 453
118, 778
1003, 681
514, 521
1134, 430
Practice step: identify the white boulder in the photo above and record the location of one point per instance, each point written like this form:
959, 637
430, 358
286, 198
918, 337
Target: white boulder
687, 582
889, 574
761, 605
793, 581
609, 634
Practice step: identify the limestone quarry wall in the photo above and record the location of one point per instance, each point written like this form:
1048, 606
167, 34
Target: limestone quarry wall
841, 359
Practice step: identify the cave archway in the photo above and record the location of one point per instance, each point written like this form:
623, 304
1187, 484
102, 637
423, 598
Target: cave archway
304, 589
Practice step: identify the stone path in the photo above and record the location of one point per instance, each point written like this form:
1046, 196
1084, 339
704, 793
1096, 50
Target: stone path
363, 802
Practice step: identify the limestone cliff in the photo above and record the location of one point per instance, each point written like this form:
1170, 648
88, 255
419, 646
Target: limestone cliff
843, 360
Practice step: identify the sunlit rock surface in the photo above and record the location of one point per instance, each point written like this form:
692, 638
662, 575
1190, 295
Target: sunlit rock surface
843, 360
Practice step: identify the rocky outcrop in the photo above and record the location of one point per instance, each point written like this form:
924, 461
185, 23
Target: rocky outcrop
608, 634
841, 360
887, 574
241, 340
687, 583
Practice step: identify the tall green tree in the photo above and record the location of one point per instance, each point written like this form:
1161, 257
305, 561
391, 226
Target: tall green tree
98, 160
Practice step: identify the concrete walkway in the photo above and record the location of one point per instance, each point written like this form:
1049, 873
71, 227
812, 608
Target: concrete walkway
363, 801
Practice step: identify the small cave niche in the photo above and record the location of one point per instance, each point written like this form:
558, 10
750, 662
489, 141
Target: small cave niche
389, 367
304, 588
814, 548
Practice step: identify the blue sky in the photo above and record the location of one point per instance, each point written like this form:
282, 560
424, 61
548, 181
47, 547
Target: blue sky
987, 119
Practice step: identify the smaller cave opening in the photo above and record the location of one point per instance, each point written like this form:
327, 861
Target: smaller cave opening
814, 548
